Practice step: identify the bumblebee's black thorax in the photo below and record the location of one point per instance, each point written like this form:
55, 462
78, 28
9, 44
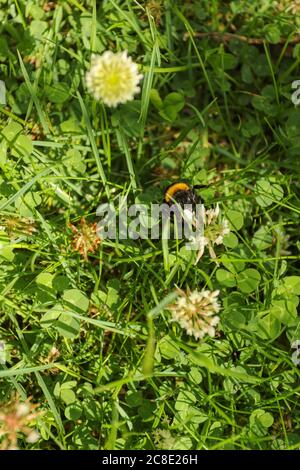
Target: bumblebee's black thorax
180, 193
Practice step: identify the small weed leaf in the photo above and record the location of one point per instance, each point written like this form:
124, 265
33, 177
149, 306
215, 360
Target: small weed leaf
268, 193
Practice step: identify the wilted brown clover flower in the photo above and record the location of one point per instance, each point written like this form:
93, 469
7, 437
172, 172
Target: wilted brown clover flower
16, 226
15, 419
85, 239
196, 312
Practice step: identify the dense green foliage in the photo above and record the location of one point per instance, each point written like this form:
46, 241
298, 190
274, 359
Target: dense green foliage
88, 335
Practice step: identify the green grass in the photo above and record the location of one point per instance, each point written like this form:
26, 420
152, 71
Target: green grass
92, 341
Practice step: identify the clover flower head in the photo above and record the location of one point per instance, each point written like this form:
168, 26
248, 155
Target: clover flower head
212, 233
196, 312
85, 238
17, 418
113, 78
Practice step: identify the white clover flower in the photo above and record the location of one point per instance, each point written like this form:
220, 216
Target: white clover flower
223, 230
113, 78
211, 215
196, 312
198, 242
23, 409
33, 437
209, 231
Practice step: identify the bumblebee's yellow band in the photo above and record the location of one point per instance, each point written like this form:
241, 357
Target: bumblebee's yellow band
172, 190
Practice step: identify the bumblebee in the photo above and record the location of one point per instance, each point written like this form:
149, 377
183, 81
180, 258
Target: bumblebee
180, 193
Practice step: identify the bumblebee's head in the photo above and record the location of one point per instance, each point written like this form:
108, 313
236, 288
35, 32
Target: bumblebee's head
180, 193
